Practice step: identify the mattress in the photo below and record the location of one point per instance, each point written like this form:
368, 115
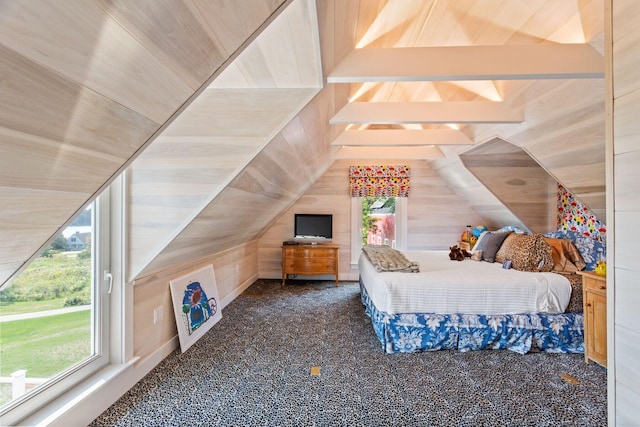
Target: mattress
471, 287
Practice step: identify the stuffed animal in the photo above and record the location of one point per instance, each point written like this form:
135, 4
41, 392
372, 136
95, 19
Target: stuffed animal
458, 254
453, 255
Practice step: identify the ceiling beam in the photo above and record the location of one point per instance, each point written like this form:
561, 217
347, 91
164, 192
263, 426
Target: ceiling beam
385, 137
387, 153
426, 112
455, 63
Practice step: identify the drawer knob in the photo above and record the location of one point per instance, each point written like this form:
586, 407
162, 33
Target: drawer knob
603, 287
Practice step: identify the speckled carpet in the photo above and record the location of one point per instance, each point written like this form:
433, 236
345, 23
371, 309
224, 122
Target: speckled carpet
254, 368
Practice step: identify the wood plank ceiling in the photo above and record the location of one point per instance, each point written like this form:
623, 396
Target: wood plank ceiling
87, 84
174, 182
444, 54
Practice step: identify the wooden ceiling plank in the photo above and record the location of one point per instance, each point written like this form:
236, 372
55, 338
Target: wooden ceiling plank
382, 137
455, 63
426, 112
387, 153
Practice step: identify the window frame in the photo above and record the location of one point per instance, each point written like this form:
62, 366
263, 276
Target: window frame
103, 343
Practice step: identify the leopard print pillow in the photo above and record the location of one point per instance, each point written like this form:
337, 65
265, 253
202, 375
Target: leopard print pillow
527, 252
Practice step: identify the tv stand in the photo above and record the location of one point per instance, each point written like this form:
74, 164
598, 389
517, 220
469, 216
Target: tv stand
310, 260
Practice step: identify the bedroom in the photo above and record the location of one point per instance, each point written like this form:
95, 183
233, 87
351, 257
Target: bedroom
242, 247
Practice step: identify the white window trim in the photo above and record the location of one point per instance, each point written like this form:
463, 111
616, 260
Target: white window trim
72, 395
356, 227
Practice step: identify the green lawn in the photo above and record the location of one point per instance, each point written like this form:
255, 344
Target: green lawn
45, 346
20, 307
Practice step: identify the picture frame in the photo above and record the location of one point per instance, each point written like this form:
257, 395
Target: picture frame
195, 305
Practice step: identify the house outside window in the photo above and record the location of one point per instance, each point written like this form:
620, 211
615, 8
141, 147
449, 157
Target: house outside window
393, 228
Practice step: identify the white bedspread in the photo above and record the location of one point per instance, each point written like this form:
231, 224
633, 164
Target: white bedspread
471, 287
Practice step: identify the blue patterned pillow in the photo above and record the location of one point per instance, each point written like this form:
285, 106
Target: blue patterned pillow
591, 250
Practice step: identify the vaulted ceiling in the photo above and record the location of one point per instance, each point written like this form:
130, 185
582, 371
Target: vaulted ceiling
224, 113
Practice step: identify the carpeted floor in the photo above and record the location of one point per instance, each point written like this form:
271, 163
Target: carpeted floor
253, 368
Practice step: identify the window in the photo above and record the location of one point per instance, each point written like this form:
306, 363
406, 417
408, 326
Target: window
371, 223
55, 316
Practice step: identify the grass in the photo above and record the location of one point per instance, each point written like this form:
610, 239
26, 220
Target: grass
45, 346
19, 307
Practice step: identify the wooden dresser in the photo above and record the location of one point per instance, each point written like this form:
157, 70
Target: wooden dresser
594, 297
310, 260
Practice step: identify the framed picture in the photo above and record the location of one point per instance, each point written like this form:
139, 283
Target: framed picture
195, 305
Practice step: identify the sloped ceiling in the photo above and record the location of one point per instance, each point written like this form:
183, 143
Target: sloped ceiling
517, 180
85, 85
88, 83
174, 182
562, 124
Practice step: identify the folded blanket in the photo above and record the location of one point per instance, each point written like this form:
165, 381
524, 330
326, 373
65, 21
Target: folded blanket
385, 258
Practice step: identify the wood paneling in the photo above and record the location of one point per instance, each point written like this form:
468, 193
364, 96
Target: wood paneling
436, 215
233, 269
625, 101
215, 137
80, 41
289, 164
87, 83
563, 132
524, 187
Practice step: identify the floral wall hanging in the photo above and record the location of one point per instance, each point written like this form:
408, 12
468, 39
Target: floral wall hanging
576, 217
379, 181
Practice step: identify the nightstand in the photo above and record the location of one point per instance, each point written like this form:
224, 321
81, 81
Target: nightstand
594, 297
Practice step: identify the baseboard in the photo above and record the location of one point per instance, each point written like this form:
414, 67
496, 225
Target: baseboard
238, 290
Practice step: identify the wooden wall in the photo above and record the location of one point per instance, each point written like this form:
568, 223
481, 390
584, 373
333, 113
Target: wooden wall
624, 286
521, 184
286, 167
436, 215
234, 269
85, 85
219, 133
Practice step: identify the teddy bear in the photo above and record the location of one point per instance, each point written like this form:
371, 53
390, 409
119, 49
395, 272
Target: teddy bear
458, 254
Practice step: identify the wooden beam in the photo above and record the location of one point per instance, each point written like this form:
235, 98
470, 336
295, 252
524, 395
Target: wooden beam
455, 63
426, 112
387, 153
382, 137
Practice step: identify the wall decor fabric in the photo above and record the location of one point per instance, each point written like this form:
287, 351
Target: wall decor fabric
576, 217
379, 181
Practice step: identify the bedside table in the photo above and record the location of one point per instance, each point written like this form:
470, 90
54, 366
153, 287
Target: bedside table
594, 297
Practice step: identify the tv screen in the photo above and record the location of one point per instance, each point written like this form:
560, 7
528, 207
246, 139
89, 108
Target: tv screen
313, 227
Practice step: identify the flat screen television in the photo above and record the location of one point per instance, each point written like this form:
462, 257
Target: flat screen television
313, 228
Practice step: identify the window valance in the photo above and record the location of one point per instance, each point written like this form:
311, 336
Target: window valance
379, 181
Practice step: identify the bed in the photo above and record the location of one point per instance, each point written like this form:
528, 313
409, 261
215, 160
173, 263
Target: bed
470, 305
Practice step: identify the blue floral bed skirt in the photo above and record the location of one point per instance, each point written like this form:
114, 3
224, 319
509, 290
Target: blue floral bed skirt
411, 333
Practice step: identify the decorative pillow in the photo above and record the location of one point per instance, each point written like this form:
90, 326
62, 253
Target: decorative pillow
527, 252
566, 257
510, 228
575, 301
479, 239
490, 244
477, 256
591, 250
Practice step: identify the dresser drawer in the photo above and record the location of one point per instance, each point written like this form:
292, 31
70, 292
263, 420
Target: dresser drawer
594, 284
310, 260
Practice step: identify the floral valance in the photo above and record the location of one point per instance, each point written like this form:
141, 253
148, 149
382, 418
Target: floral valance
379, 181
